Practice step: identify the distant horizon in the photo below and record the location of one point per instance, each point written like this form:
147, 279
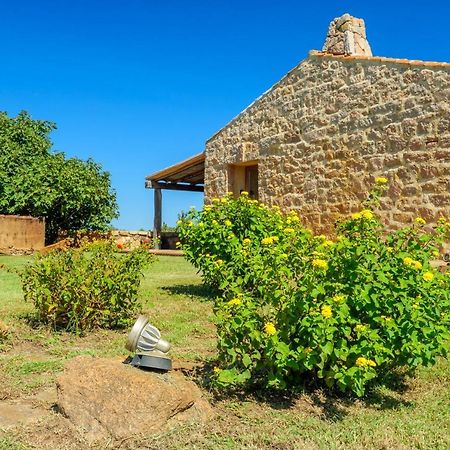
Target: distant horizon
141, 86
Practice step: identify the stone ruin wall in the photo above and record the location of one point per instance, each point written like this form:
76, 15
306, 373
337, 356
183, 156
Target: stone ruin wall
21, 234
334, 123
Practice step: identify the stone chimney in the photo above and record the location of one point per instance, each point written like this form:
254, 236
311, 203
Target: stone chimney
347, 36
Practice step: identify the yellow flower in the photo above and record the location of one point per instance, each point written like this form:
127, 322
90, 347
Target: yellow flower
359, 328
417, 265
447, 224
219, 262
408, 261
207, 207
228, 223
224, 200
269, 240
234, 302
308, 350
214, 222
179, 222
428, 276
361, 361
320, 264
244, 193
367, 214
364, 362
339, 298
356, 216
178, 244
328, 243
326, 311
190, 223
216, 200
389, 249
381, 180
420, 221
416, 306
288, 230
269, 329
246, 241
217, 370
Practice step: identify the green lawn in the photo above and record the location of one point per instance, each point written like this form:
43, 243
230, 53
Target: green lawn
172, 295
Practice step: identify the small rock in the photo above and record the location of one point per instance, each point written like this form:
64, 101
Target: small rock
110, 399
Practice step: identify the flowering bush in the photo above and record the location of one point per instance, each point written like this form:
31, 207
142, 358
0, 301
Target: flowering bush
87, 287
296, 306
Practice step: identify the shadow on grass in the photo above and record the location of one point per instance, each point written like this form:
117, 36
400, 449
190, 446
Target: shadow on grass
311, 397
192, 290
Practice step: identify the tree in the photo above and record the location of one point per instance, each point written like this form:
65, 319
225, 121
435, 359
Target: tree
70, 193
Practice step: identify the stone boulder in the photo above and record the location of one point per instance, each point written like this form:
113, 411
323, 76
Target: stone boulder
107, 398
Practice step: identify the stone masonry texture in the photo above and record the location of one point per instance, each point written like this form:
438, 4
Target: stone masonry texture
334, 123
347, 35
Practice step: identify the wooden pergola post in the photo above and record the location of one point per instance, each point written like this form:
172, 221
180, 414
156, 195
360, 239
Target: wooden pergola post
157, 221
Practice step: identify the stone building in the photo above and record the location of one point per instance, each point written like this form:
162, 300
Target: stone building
315, 141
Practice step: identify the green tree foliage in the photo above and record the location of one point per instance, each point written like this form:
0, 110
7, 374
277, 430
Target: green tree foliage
70, 193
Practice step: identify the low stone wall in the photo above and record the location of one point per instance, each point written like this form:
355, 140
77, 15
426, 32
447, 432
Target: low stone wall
123, 238
21, 234
132, 239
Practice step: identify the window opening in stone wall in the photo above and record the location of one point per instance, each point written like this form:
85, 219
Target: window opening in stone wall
251, 181
243, 177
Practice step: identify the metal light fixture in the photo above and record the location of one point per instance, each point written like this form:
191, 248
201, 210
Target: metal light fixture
150, 349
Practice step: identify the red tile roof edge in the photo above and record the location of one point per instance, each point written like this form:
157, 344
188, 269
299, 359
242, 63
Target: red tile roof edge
381, 59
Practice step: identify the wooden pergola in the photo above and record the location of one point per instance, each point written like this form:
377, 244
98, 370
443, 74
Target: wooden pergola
187, 175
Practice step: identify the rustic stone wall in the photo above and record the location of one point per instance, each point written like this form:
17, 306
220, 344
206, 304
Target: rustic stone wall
132, 239
21, 234
334, 123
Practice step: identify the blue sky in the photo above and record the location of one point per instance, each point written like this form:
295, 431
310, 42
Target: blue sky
139, 84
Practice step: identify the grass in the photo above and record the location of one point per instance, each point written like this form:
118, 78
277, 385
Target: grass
418, 416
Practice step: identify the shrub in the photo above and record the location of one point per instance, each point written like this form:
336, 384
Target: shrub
87, 287
296, 307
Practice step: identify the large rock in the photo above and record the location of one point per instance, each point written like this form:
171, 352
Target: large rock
110, 399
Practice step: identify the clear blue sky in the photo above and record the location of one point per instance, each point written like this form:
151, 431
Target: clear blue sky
141, 84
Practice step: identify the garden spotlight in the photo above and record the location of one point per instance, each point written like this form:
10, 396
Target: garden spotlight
150, 350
